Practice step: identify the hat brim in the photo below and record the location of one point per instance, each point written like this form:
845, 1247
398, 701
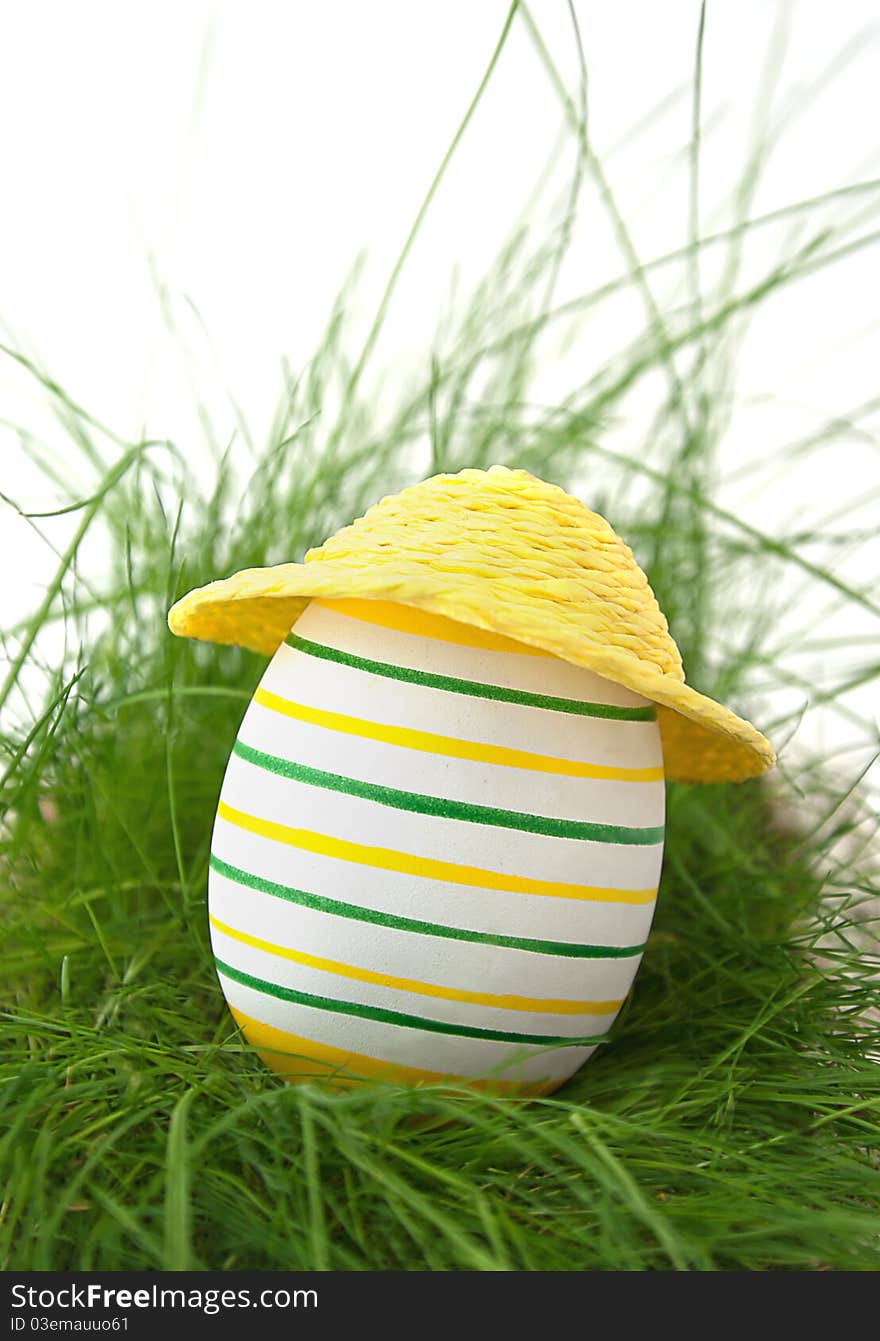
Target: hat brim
702, 740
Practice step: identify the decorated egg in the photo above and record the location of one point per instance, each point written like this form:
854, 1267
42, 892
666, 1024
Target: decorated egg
436, 852
439, 837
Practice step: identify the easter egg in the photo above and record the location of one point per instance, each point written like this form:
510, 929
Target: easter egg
436, 854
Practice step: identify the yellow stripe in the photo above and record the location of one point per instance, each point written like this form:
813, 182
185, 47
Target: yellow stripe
499, 1000
449, 745
303, 1059
386, 859
407, 619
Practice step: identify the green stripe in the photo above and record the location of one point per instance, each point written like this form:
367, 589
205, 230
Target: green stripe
381, 919
441, 808
393, 1016
473, 687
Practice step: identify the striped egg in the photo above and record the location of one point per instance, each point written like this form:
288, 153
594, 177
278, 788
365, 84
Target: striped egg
436, 854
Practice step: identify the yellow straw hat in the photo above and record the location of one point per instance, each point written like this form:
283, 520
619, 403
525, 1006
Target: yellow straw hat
503, 551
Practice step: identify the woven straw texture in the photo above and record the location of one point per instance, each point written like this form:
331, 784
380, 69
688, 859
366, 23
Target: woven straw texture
504, 551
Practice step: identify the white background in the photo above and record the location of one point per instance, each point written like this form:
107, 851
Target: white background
242, 155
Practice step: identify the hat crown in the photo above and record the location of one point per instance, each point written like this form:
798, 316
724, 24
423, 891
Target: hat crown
531, 546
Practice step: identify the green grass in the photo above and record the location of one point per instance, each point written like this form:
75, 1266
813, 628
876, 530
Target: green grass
732, 1120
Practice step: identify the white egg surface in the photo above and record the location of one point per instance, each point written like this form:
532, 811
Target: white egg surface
436, 854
